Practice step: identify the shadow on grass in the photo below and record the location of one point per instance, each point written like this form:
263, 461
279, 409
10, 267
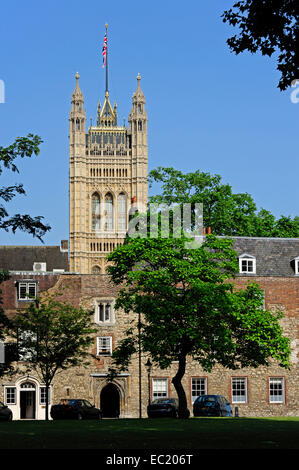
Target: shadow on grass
194, 433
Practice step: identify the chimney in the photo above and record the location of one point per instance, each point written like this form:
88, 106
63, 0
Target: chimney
64, 245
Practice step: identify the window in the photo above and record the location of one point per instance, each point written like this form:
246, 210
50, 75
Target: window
295, 265
10, 395
104, 346
42, 395
160, 388
108, 212
96, 270
247, 264
27, 290
26, 345
276, 390
96, 215
104, 312
198, 387
122, 212
239, 390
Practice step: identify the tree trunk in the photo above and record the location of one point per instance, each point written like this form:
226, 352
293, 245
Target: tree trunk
177, 382
47, 401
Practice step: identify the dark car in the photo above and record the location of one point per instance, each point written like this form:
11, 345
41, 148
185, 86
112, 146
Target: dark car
212, 405
75, 409
5, 412
163, 407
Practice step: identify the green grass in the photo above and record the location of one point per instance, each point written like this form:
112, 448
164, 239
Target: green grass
194, 433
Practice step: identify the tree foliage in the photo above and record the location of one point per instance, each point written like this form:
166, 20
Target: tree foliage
225, 212
21, 148
270, 27
189, 307
52, 336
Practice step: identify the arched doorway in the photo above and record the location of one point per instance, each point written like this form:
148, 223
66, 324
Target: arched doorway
27, 400
110, 400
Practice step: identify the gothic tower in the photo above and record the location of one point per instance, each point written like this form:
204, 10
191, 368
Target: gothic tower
108, 172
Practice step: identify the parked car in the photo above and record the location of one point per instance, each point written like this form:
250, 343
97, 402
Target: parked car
75, 409
212, 405
163, 407
5, 412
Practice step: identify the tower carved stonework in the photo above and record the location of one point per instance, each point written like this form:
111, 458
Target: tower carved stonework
108, 171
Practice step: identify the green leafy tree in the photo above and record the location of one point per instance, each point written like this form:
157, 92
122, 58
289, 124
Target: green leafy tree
189, 308
53, 336
270, 27
22, 147
227, 213
7, 349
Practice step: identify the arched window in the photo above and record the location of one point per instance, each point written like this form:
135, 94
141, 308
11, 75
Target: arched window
96, 270
109, 222
96, 216
122, 212
27, 385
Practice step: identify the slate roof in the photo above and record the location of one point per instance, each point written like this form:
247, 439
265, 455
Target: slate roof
273, 255
21, 258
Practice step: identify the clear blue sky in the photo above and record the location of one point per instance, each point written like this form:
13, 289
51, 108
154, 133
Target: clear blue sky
208, 109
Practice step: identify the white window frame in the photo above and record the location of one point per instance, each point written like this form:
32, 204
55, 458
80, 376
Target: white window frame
102, 349
25, 355
10, 398
296, 265
101, 311
159, 387
42, 395
202, 381
247, 258
239, 398
28, 285
277, 398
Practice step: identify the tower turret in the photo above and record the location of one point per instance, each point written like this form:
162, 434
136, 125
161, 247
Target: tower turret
77, 164
138, 128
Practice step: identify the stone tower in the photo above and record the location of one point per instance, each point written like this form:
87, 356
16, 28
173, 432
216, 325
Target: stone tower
107, 173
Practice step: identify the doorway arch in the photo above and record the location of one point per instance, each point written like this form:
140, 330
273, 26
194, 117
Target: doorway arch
28, 400
110, 401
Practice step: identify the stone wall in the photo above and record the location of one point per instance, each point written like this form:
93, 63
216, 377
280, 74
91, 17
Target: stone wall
81, 382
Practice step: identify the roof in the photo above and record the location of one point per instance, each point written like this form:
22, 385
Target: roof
273, 255
22, 258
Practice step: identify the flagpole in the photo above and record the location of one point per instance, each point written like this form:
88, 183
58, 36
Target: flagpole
106, 25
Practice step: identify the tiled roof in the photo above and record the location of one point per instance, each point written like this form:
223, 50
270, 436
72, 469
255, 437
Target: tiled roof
22, 258
273, 255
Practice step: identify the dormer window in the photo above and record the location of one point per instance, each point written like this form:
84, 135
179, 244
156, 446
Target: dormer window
295, 264
247, 264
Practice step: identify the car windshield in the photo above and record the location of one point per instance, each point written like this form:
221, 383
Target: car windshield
207, 398
162, 400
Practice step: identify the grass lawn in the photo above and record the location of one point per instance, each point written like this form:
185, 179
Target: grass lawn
194, 433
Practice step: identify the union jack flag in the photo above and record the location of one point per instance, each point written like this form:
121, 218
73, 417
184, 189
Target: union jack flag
104, 51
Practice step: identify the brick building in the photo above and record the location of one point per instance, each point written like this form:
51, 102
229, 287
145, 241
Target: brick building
265, 391
108, 170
